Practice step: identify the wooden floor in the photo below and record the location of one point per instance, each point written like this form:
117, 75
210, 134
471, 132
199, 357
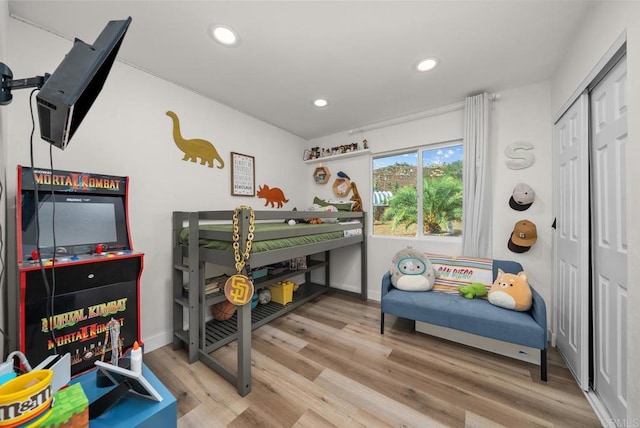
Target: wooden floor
326, 364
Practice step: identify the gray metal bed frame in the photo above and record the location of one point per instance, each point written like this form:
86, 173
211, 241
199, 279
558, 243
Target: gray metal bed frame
202, 337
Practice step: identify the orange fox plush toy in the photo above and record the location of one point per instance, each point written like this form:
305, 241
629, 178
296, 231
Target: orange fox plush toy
511, 291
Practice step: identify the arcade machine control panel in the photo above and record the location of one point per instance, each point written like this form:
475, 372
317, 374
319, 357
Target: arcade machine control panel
79, 254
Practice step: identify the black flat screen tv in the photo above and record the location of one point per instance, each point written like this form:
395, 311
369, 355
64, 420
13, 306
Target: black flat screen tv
68, 94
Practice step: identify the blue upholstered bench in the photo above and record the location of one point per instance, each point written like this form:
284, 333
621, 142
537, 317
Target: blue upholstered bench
475, 316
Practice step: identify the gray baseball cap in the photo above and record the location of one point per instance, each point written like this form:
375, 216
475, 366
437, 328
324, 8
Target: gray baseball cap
522, 197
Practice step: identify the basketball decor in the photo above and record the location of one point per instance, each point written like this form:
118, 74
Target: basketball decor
223, 311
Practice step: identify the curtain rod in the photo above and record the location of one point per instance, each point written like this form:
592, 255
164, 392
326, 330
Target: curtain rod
417, 116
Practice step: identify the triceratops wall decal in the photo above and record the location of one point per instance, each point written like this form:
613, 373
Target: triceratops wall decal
194, 148
273, 196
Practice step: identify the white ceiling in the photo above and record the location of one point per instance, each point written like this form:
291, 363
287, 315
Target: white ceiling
358, 54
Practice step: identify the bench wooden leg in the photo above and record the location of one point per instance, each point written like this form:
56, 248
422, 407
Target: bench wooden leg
543, 364
381, 322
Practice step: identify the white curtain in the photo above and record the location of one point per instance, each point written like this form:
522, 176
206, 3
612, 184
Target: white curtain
476, 206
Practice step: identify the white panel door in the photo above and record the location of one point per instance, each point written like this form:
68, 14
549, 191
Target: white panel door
609, 227
571, 263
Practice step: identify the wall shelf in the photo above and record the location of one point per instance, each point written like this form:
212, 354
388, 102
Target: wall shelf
339, 156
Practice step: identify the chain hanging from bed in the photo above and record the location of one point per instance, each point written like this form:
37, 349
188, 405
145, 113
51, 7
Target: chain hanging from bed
238, 289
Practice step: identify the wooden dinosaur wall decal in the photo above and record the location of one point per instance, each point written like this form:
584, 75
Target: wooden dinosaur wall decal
194, 148
272, 196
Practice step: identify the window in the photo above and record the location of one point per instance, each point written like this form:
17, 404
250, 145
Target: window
400, 187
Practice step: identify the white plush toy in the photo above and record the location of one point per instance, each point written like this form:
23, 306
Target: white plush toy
411, 270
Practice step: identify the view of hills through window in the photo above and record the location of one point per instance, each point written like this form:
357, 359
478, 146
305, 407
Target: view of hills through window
397, 192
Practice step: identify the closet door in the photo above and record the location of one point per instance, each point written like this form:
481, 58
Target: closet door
571, 263
608, 160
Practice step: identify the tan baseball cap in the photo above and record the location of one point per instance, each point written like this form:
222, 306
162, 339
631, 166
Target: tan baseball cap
524, 235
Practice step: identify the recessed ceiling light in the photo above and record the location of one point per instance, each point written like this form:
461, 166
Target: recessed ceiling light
224, 35
320, 102
427, 64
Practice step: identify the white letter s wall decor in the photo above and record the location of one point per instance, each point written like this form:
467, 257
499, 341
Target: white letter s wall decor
519, 156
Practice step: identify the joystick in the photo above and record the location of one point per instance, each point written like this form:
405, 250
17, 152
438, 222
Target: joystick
35, 255
99, 248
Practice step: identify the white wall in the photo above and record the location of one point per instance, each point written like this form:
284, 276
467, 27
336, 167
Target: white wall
4, 17
127, 133
605, 22
520, 115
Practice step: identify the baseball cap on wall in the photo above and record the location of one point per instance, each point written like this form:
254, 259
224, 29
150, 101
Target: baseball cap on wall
524, 235
522, 197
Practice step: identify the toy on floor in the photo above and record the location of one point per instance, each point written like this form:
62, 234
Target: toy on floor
511, 291
475, 289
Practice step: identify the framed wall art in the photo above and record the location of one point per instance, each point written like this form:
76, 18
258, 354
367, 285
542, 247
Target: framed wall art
243, 175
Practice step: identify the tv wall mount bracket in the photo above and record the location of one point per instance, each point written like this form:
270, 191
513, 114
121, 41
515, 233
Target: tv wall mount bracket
8, 83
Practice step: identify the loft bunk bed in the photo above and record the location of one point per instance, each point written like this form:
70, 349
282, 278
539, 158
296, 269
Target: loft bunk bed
207, 237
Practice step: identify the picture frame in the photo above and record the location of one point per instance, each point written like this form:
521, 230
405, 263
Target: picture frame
306, 155
243, 171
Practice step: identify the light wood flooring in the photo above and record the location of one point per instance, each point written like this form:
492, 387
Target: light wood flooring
326, 364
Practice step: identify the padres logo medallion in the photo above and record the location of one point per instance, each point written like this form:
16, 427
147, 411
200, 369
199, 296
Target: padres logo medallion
238, 290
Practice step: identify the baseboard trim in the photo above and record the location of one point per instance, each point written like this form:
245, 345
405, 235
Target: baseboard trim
157, 341
600, 409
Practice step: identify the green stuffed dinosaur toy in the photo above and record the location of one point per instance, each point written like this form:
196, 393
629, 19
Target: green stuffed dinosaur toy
475, 289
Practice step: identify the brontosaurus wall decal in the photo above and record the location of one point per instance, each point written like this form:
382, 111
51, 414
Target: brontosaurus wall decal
194, 148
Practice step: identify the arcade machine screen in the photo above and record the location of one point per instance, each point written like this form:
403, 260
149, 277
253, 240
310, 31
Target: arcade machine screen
81, 222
